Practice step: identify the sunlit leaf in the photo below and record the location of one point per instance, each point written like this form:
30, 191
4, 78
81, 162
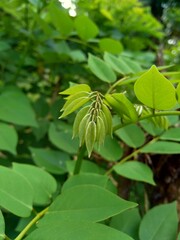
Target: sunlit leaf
85, 27
155, 91
110, 45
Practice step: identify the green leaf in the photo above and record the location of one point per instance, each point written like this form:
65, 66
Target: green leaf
2, 227
43, 184
172, 134
160, 222
178, 92
86, 167
51, 160
68, 230
63, 139
76, 88
155, 91
15, 108
85, 178
136, 171
110, 45
162, 147
126, 107
132, 135
85, 203
117, 65
8, 138
16, 193
133, 65
178, 237
101, 69
127, 222
73, 105
60, 19
110, 150
85, 27
151, 128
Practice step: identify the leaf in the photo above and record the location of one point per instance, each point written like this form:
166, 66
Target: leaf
15, 108
162, 147
2, 227
63, 139
43, 184
60, 20
160, 222
155, 91
133, 65
117, 65
132, 135
85, 27
50, 160
101, 69
76, 88
136, 171
178, 92
110, 150
16, 193
127, 222
74, 105
85, 203
172, 134
8, 138
85, 178
87, 167
126, 106
77, 230
110, 45
151, 128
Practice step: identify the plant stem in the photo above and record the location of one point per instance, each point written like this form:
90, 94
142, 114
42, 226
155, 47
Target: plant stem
156, 114
131, 155
116, 84
78, 165
34, 220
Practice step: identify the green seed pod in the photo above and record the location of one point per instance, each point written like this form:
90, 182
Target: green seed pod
101, 131
90, 136
78, 119
82, 128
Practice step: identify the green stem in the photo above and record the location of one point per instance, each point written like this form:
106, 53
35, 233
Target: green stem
131, 155
156, 114
34, 220
78, 165
116, 84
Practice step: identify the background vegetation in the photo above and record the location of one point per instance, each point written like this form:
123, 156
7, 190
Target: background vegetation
45, 47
